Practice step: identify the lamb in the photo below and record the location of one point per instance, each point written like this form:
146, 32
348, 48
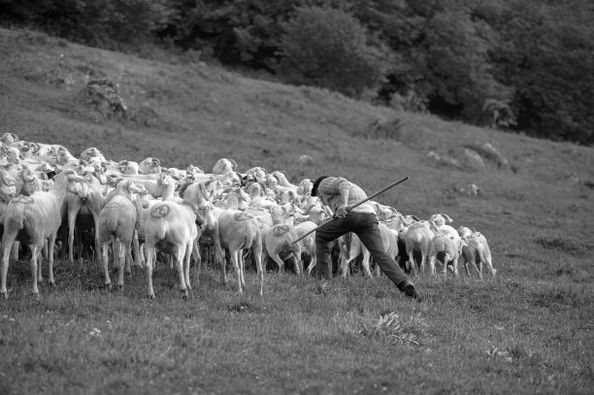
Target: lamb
234, 230
449, 246
33, 220
417, 237
171, 227
475, 249
117, 221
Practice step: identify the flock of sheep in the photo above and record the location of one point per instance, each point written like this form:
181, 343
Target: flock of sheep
140, 208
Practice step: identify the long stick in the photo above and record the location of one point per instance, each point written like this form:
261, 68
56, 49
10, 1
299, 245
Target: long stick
392, 185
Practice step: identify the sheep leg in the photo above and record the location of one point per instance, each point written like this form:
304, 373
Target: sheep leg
179, 263
455, 264
276, 258
241, 260
235, 260
446, 259
105, 262
423, 265
187, 258
345, 267
366, 264
7, 242
121, 250
312, 264
50, 252
431, 260
197, 259
42, 253
15, 250
136, 248
128, 261
220, 255
149, 254
486, 257
298, 263
257, 252
34, 255
465, 262
97, 244
72, 212
473, 260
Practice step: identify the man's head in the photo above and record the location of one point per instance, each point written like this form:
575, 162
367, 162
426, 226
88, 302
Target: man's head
314, 189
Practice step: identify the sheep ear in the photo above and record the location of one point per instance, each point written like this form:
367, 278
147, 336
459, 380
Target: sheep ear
416, 218
233, 163
448, 218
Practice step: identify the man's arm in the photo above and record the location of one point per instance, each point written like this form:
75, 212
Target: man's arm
344, 189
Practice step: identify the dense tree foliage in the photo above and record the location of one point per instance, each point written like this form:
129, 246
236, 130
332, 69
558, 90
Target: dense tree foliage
526, 65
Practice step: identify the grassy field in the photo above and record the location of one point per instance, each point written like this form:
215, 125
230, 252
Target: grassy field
527, 331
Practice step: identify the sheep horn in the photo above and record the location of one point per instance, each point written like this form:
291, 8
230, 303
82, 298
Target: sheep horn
27, 175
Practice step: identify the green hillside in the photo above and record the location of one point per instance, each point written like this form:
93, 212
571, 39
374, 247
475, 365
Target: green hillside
536, 210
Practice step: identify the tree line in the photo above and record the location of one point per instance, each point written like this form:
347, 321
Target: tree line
519, 65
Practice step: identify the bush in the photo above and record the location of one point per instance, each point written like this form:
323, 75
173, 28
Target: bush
328, 48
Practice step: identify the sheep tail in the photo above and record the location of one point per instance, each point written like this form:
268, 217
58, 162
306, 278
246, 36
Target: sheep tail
161, 231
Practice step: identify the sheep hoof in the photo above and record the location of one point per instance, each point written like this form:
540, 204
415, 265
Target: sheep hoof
184, 293
4, 295
36, 296
120, 287
52, 284
151, 296
108, 286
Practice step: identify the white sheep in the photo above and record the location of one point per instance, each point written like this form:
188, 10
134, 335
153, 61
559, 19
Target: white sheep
86, 197
117, 221
35, 220
448, 245
235, 231
475, 249
416, 237
171, 227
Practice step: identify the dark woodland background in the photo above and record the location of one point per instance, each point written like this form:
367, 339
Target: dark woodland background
519, 65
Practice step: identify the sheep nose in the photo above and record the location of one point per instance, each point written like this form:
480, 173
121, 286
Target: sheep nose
83, 199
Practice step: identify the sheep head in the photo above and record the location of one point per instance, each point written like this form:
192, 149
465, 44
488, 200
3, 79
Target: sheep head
9, 138
440, 219
224, 166
150, 166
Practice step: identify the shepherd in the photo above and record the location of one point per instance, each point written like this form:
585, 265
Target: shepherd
353, 213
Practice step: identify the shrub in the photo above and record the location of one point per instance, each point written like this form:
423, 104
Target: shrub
328, 48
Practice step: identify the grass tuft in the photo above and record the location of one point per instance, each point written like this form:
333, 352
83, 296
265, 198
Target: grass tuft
394, 329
